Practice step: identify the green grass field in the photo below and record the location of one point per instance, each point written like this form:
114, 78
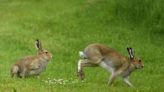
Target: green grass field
67, 26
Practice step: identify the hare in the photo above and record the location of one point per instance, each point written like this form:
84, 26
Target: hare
31, 65
109, 59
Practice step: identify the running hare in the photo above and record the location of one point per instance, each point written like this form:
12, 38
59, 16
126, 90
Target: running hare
109, 59
31, 65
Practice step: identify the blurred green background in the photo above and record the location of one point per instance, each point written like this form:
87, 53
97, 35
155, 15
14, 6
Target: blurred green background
67, 26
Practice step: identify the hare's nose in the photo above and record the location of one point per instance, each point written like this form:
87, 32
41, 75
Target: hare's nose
50, 56
142, 66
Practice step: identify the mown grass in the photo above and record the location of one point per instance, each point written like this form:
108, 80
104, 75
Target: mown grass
67, 26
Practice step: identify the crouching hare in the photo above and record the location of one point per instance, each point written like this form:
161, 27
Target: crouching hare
31, 65
109, 59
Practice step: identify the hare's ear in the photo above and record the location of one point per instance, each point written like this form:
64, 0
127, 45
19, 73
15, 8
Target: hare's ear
38, 45
130, 51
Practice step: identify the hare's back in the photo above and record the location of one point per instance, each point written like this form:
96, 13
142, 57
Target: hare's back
26, 60
99, 50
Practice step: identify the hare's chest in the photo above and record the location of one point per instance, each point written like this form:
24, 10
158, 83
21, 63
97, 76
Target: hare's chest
39, 69
126, 73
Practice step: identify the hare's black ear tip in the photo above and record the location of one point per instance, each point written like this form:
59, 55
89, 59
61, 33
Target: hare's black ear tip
37, 39
129, 48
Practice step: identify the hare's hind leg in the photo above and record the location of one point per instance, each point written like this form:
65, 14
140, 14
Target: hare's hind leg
23, 73
83, 63
14, 71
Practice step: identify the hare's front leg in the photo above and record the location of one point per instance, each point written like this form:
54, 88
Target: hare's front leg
126, 80
38, 76
114, 74
83, 63
111, 79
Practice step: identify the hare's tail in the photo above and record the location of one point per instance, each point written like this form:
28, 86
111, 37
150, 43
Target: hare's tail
14, 71
82, 55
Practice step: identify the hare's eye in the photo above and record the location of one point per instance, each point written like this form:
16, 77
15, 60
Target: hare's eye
46, 52
139, 60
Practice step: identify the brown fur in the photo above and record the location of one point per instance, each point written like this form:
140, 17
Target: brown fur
31, 65
108, 58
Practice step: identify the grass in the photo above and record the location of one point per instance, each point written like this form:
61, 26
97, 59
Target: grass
66, 27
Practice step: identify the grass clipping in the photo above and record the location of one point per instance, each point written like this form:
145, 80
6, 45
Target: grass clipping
52, 81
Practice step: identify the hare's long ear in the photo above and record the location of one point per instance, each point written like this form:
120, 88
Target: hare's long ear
130, 51
38, 45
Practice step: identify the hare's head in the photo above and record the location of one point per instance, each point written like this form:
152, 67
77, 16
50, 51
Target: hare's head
135, 61
41, 52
